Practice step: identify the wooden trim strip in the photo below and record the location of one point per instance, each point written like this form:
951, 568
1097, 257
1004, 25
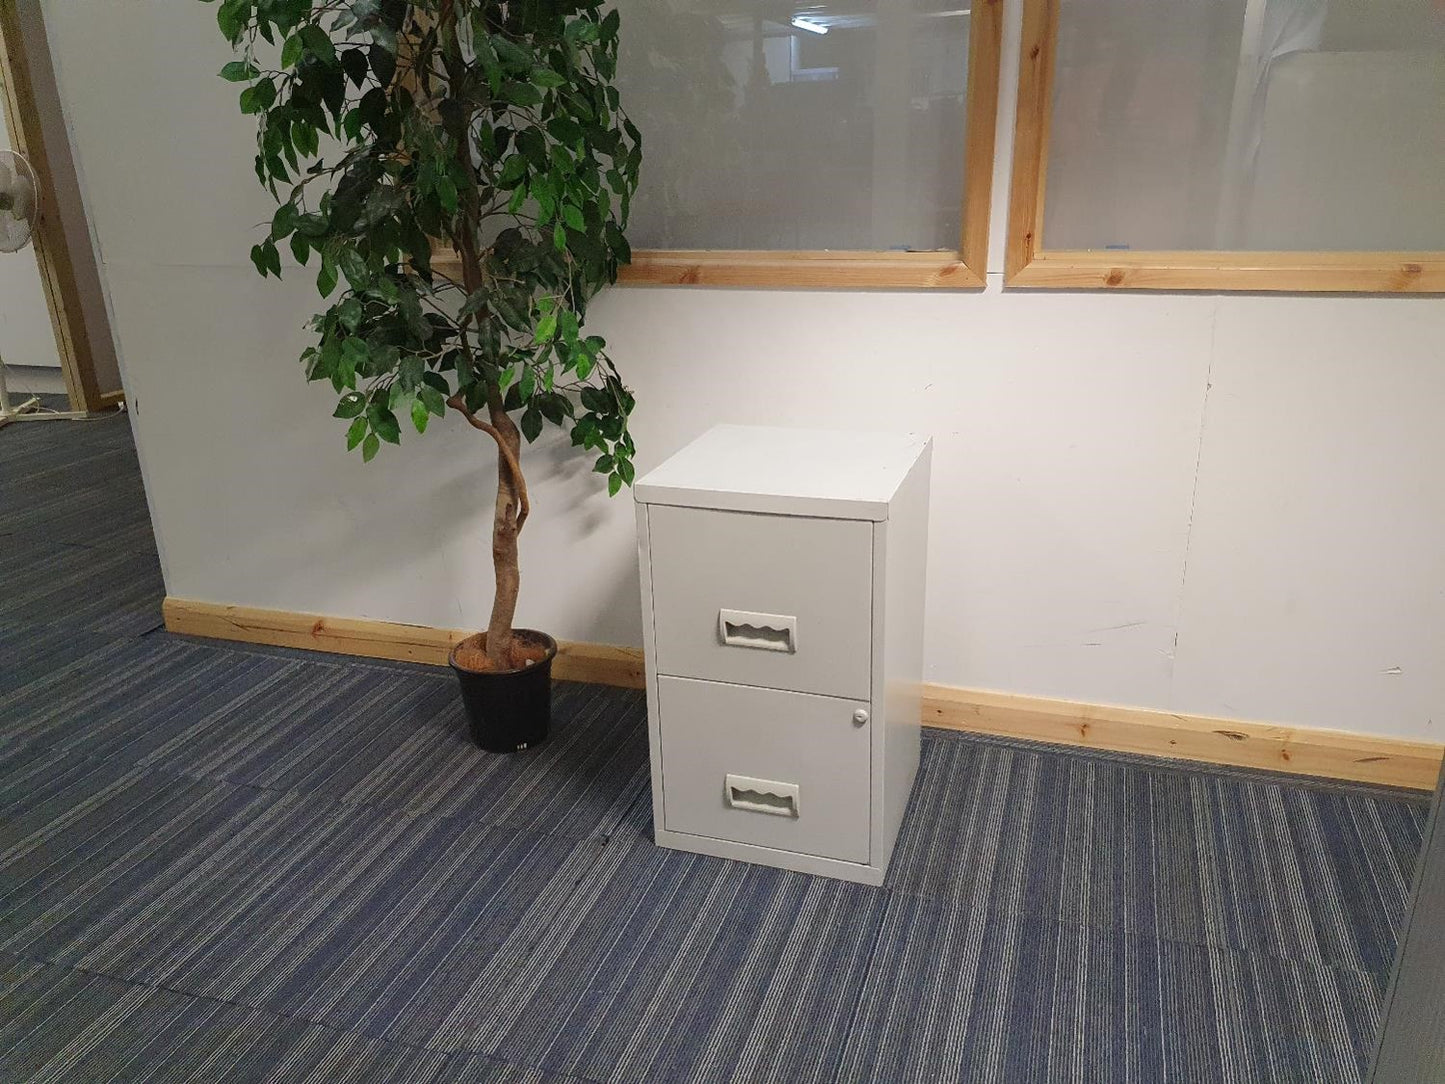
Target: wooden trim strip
1330, 754
381, 639
985, 58
1031, 137
799, 269
1298, 272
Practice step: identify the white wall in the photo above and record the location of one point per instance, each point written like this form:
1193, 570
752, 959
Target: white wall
1224, 505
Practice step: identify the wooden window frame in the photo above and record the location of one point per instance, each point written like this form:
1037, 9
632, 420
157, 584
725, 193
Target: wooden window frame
963, 268
1028, 263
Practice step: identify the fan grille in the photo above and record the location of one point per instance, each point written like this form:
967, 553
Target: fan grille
19, 201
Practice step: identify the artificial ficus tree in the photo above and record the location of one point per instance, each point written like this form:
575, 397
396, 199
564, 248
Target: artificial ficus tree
489, 132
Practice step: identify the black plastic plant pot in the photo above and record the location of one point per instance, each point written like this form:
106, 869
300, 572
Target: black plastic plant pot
509, 709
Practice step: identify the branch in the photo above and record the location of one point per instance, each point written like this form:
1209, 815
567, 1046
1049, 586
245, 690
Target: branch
457, 403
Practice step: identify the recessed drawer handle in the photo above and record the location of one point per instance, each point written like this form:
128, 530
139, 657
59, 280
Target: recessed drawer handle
762, 796
764, 632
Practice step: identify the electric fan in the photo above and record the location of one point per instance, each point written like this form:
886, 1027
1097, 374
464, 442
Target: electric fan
19, 213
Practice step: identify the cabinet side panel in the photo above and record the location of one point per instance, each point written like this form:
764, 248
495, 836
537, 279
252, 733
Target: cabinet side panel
905, 571
649, 652
1412, 1035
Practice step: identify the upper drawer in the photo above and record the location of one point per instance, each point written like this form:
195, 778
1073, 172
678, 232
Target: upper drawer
781, 602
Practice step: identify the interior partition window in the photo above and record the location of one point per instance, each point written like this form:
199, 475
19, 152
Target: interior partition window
811, 144
1231, 144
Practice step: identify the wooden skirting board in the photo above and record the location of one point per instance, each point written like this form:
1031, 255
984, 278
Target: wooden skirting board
1331, 754
382, 639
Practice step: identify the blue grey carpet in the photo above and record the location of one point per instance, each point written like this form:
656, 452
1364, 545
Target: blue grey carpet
222, 863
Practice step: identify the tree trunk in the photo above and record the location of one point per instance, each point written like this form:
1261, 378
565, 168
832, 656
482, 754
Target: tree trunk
511, 508
505, 528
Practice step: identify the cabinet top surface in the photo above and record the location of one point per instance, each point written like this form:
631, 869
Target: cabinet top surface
843, 474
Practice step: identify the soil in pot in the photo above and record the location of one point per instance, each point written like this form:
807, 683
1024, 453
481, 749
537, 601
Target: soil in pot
509, 709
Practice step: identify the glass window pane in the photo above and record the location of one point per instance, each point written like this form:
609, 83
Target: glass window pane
815, 126
1295, 125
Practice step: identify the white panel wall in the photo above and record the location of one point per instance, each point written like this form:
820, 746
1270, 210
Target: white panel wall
1106, 526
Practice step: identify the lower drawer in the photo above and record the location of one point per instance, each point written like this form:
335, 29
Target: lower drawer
775, 769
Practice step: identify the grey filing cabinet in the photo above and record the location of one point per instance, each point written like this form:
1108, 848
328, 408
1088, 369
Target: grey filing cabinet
782, 598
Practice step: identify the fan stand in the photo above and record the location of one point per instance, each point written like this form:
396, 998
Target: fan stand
10, 413
29, 410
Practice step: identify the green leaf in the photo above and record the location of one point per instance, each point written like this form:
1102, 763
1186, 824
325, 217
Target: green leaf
291, 51
603, 464
354, 64
350, 405
318, 43
573, 217
531, 424
614, 484
512, 170
326, 277
510, 53
419, 415
546, 328
355, 433
522, 94
353, 356
231, 18
447, 193
283, 222
383, 63
627, 470
386, 426
369, 447
553, 406
239, 71
349, 313
546, 77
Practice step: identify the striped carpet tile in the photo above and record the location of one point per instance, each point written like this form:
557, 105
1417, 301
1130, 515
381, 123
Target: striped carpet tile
129, 698
65, 1025
1244, 862
661, 965
1237, 1016
360, 735
96, 589
959, 993
480, 1069
29, 652
68, 512
46, 458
